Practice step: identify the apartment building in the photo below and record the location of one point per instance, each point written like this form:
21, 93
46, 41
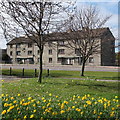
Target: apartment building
24, 51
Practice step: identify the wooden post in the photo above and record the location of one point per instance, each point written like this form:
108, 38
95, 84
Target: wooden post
48, 72
10, 71
23, 72
35, 72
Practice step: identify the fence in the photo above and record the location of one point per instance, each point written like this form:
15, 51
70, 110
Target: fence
23, 74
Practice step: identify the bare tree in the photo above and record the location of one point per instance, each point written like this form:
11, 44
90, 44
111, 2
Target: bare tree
36, 19
84, 32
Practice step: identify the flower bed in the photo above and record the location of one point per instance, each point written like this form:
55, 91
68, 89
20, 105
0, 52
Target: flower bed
51, 106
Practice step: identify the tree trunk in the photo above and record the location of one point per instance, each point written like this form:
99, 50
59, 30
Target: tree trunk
83, 67
40, 68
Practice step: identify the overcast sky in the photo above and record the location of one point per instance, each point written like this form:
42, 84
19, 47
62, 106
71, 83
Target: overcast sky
107, 7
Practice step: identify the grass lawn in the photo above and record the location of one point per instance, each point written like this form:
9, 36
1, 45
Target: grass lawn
61, 87
59, 98
67, 74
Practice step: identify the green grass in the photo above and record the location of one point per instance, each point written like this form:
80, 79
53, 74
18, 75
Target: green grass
61, 87
65, 89
67, 74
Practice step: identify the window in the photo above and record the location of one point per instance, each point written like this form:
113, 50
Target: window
61, 43
23, 49
61, 51
50, 52
29, 52
78, 42
18, 46
91, 60
77, 51
50, 60
11, 46
29, 45
18, 53
59, 60
11, 53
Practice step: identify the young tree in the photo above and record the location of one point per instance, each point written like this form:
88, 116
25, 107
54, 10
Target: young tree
36, 19
84, 32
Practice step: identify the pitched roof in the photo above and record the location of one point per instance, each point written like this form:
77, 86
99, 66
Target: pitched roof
59, 36
18, 40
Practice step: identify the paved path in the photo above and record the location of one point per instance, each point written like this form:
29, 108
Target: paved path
91, 79
62, 67
14, 78
10, 78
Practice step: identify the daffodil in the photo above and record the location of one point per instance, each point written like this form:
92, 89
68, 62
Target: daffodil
94, 112
81, 113
38, 102
84, 105
12, 107
112, 114
66, 102
78, 96
14, 101
5, 104
50, 108
74, 96
88, 95
62, 106
83, 98
73, 107
98, 117
33, 100
93, 98
77, 109
43, 107
29, 98
68, 109
100, 113
48, 104
44, 100
25, 117
31, 116
18, 112
34, 111
6, 99
113, 108
18, 94
75, 102
50, 94
54, 113
88, 102
62, 111
3, 112
116, 96
12, 98
34, 105
8, 110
